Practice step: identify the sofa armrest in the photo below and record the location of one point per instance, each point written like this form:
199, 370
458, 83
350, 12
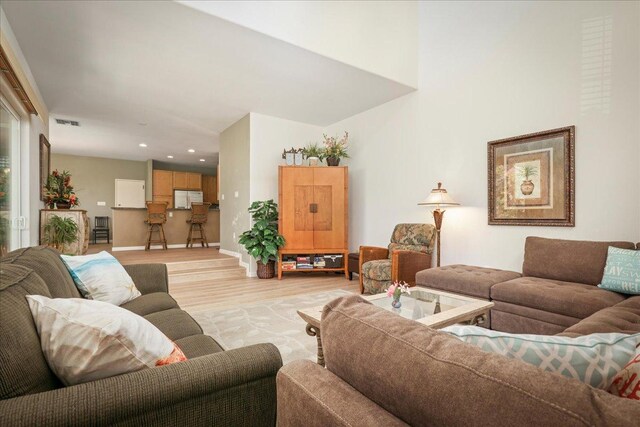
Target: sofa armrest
309, 395
149, 278
235, 387
370, 253
406, 264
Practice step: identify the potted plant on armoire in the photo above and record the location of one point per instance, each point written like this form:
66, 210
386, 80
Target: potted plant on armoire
263, 240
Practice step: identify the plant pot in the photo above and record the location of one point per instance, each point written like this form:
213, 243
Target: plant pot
62, 205
333, 161
266, 271
527, 187
313, 161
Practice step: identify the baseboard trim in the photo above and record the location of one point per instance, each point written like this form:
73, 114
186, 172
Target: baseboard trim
240, 262
230, 253
141, 248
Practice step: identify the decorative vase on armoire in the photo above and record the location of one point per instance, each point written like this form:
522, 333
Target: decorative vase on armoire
314, 218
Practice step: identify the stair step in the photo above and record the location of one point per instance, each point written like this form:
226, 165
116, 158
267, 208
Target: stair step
176, 267
207, 274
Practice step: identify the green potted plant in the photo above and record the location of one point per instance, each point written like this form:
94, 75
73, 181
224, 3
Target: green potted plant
335, 149
59, 191
59, 232
263, 240
314, 153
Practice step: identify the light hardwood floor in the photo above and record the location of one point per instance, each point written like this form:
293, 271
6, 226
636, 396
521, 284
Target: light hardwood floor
215, 285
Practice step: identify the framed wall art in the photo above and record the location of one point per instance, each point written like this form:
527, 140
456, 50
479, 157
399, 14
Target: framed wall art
532, 179
45, 164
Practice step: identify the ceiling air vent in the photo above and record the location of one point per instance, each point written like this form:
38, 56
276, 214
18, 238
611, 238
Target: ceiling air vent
67, 122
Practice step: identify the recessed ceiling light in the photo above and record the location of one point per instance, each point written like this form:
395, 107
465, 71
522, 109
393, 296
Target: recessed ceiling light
191, 150
202, 160
142, 124
142, 145
169, 157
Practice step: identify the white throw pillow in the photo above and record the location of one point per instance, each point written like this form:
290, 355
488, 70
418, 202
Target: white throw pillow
84, 340
101, 277
594, 359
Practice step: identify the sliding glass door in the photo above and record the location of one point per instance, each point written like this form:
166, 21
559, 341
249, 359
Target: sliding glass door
10, 219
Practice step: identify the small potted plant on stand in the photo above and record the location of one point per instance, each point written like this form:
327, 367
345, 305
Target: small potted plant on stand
263, 240
314, 153
59, 232
335, 149
59, 191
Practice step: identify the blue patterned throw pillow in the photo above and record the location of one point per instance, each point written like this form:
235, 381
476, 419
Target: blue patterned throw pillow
101, 277
593, 359
622, 272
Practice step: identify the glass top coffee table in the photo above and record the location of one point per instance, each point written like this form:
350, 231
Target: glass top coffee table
430, 307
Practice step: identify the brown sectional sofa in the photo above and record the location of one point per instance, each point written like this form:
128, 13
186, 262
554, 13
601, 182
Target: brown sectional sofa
384, 370
556, 290
235, 387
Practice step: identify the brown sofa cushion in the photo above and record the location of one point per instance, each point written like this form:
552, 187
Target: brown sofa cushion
622, 318
174, 323
198, 345
23, 368
47, 264
567, 298
426, 377
552, 323
150, 303
464, 279
567, 260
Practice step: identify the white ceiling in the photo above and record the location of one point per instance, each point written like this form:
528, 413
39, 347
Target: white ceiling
184, 74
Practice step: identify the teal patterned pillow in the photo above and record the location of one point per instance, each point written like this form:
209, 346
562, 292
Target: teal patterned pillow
622, 272
594, 359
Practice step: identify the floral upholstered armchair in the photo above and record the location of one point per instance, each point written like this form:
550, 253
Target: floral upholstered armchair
409, 252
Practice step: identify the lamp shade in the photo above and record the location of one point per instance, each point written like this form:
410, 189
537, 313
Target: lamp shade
439, 198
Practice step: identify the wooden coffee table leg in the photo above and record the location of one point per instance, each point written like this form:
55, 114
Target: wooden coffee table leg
315, 332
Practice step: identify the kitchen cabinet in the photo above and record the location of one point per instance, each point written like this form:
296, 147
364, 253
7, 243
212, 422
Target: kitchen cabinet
194, 181
209, 189
162, 183
180, 181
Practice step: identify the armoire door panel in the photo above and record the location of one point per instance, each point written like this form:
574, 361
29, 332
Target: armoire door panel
323, 219
296, 221
330, 221
303, 217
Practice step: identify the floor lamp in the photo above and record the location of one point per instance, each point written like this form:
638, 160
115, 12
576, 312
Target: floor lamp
440, 199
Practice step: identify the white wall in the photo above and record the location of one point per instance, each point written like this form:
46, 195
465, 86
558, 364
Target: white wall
269, 137
234, 177
376, 36
491, 70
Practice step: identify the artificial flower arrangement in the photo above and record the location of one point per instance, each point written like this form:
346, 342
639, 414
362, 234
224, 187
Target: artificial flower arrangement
396, 290
335, 149
59, 191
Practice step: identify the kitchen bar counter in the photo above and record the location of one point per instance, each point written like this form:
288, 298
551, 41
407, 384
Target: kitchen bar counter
130, 230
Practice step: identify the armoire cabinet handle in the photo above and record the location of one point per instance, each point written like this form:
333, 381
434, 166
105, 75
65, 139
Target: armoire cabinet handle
313, 208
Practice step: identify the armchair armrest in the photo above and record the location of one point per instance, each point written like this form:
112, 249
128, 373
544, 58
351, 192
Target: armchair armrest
310, 396
405, 265
235, 387
370, 253
149, 278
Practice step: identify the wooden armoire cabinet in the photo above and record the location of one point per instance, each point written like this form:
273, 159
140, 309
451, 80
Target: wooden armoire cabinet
313, 204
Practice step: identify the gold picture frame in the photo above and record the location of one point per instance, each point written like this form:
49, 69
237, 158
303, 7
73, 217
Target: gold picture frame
45, 164
531, 179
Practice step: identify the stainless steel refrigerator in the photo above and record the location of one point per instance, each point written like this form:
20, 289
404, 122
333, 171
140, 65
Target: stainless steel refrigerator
182, 199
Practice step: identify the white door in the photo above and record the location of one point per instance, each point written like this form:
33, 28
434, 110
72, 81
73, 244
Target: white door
129, 193
11, 221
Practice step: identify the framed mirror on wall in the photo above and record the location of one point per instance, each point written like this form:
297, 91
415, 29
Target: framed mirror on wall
45, 164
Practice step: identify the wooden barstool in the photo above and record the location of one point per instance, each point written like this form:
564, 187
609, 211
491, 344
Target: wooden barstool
199, 215
156, 217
